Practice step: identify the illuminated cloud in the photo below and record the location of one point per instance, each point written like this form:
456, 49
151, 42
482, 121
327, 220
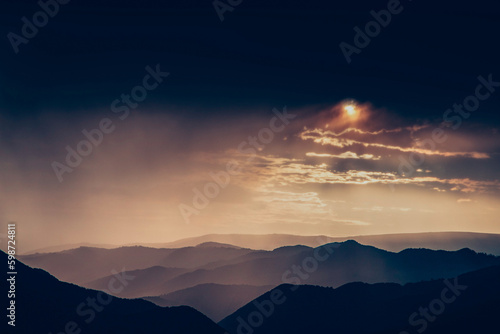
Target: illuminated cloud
345, 155
356, 222
325, 137
464, 200
281, 171
410, 129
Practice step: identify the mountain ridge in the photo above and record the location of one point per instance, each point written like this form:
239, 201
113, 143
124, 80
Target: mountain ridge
470, 304
46, 305
480, 242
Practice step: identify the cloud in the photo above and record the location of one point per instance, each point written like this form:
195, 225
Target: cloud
345, 155
464, 200
286, 172
355, 222
376, 208
325, 137
411, 129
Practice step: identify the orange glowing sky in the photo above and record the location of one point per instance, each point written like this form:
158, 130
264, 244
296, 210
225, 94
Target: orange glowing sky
333, 170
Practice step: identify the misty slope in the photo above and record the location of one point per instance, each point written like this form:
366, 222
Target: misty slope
376, 309
214, 300
348, 262
45, 305
145, 281
85, 264
157, 285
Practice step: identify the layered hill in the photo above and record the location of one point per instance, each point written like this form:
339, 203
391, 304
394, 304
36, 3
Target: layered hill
86, 264
47, 305
480, 242
216, 301
232, 276
463, 305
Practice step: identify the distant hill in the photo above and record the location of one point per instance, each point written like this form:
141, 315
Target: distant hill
480, 242
178, 269
252, 241
156, 281
147, 282
214, 300
46, 305
86, 264
349, 262
60, 248
359, 308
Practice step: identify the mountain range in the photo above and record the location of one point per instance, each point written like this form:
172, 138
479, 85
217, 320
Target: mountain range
480, 242
47, 305
187, 276
469, 303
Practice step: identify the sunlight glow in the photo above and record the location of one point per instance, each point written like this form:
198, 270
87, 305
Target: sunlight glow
350, 110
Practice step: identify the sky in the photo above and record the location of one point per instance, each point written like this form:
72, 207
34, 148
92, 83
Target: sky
255, 124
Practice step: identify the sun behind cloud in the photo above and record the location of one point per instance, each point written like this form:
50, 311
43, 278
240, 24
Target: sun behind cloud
350, 110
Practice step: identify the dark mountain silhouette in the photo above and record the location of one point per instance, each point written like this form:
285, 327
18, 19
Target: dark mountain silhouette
86, 264
214, 300
46, 305
376, 309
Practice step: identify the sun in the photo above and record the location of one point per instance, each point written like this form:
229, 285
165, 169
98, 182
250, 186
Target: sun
350, 110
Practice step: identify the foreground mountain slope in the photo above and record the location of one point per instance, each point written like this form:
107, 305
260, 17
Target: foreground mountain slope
46, 305
216, 301
467, 304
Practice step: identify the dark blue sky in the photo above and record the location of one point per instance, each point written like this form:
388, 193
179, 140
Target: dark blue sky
264, 53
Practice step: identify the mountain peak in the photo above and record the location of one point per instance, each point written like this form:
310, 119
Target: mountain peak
351, 242
211, 244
